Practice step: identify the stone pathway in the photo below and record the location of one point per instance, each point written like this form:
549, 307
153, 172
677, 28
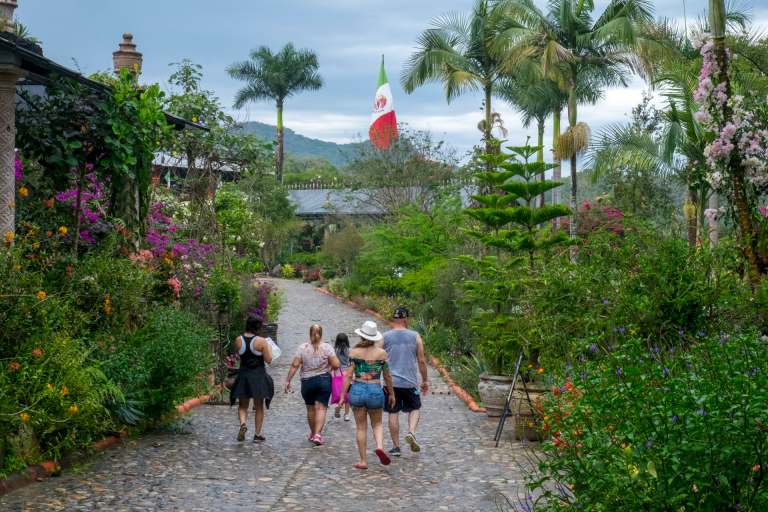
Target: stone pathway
206, 469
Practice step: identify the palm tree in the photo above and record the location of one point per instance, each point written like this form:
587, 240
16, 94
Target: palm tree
572, 47
536, 99
458, 53
276, 77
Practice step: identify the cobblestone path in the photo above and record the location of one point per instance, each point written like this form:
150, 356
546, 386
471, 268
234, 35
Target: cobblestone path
208, 470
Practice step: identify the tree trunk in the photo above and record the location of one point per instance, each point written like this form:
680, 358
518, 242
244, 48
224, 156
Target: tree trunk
557, 171
714, 204
78, 209
540, 158
280, 137
717, 15
487, 134
690, 217
574, 217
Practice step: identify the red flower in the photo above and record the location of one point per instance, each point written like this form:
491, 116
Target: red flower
106, 295
37, 352
109, 349
101, 344
14, 367
111, 338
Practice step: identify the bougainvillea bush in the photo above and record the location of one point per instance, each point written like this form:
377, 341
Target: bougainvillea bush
637, 426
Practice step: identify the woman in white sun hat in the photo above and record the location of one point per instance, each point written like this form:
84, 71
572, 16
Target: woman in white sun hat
367, 363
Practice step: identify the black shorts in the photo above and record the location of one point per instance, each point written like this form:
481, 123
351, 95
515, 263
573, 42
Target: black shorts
406, 400
316, 389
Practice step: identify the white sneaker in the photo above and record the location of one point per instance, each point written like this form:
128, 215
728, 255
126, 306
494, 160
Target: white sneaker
346, 417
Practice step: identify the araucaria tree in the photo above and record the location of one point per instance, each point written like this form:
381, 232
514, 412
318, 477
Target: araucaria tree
276, 77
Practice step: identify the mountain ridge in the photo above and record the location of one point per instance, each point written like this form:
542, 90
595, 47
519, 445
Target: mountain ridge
302, 146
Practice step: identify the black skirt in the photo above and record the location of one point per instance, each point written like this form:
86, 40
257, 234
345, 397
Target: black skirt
252, 383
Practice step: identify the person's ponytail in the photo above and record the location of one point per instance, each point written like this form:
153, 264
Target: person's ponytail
315, 336
364, 343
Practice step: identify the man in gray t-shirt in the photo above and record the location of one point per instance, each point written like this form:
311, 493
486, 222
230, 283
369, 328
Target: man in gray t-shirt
406, 353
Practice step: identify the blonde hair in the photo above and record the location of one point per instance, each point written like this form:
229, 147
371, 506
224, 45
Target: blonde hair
364, 343
315, 336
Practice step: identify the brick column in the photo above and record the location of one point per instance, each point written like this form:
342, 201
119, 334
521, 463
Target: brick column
9, 75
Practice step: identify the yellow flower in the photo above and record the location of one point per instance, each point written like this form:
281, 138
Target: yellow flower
24, 416
23, 191
31, 232
82, 128
36, 245
194, 119
632, 470
158, 143
11, 205
41, 295
63, 230
64, 391
49, 386
17, 267
168, 261
546, 418
9, 237
73, 408
174, 153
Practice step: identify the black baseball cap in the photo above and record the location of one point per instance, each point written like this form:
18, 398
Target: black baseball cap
401, 312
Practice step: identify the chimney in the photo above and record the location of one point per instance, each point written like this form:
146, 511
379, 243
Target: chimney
127, 57
6, 13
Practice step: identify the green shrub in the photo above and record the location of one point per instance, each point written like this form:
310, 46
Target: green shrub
51, 392
336, 287
328, 274
355, 284
287, 271
162, 363
303, 258
636, 426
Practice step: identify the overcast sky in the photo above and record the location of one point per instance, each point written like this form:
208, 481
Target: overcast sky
349, 36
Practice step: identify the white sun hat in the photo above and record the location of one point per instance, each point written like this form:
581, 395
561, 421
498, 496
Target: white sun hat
369, 331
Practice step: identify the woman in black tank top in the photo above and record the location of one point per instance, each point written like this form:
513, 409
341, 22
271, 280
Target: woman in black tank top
252, 381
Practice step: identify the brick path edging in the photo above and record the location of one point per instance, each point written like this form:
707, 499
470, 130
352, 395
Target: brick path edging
13, 482
466, 397
463, 395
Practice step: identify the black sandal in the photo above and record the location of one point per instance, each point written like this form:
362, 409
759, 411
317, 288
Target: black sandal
259, 439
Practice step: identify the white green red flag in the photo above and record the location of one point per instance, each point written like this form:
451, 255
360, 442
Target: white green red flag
383, 121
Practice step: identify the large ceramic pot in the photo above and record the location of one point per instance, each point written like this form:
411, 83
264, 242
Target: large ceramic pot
493, 390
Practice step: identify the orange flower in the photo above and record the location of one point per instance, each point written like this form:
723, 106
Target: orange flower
40, 295
23, 191
24, 416
14, 367
541, 370
11, 205
63, 230
36, 245
37, 352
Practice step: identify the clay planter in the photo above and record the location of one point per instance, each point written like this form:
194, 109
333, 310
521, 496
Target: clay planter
230, 380
493, 390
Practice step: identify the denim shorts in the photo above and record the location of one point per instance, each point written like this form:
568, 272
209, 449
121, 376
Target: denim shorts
370, 396
317, 389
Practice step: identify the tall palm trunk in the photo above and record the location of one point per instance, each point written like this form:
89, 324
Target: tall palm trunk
280, 138
540, 158
557, 171
488, 125
572, 116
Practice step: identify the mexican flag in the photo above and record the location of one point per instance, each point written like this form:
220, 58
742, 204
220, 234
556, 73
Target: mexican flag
383, 122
